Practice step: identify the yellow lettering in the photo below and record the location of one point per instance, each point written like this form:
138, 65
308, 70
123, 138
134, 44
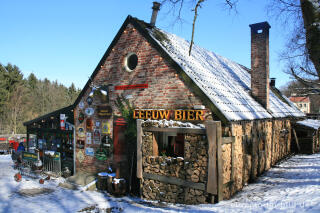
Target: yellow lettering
135, 114
190, 115
155, 114
199, 115
148, 114
164, 114
141, 114
177, 114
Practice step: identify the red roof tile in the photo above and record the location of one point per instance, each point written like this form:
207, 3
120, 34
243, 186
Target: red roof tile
299, 99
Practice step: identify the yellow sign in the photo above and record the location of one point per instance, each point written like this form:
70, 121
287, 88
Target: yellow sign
178, 115
105, 128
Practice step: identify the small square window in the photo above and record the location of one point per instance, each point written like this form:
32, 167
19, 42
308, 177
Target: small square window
168, 144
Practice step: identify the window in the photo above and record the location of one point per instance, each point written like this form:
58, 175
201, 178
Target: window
130, 62
168, 144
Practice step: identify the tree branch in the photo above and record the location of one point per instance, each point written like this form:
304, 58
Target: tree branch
194, 22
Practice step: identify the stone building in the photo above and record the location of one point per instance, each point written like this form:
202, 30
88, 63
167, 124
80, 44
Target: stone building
206, 125
249, 120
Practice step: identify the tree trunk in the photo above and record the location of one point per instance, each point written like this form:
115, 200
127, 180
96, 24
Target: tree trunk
311, 17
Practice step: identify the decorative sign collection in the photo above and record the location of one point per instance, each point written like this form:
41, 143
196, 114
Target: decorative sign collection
91, 132
105, 128
89, 100
80, 156
89, 124
104, 112
89, 111
179, 115
97, 132
63, 121
96, 136
28, 156
81, 117
80, 132
81, 105
88, 138
89, 151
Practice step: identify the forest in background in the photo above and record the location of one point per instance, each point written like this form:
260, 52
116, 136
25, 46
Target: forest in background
25, 98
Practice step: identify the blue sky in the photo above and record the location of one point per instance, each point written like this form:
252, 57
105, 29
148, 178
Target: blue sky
65, 39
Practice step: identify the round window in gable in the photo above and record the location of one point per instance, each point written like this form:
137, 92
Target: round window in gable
131, 62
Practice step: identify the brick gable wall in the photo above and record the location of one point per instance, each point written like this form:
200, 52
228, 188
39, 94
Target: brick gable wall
165, 88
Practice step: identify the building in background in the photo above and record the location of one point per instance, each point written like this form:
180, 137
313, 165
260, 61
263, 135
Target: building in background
303, 103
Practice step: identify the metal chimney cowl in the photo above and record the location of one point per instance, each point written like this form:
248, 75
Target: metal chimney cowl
155, 9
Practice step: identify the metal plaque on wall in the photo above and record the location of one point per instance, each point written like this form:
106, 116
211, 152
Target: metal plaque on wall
104, 112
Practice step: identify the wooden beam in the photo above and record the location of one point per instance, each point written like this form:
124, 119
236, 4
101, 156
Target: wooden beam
175, 181
139, 149
233, 159
296, 139
211, 128
220, 162
181, 130
227, 140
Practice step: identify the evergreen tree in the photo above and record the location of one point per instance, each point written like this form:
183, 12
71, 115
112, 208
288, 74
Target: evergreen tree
25, 99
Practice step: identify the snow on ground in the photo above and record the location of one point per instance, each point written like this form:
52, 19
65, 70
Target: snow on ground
291, 186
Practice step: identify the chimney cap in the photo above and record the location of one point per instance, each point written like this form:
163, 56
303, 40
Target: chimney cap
156, 5
273, 82
260, 26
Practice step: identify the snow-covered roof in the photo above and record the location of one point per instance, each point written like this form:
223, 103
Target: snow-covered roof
226, 83
314, 124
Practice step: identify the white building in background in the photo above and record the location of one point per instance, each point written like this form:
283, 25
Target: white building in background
303, 103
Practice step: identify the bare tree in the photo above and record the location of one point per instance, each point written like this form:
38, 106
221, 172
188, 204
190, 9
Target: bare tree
177, 5
302, 52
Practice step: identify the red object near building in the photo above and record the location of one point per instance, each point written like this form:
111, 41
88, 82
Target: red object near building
18, 177
119, 128
14, 144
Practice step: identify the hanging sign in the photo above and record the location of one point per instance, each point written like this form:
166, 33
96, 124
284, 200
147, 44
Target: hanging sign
89, 111
81, 117
97, 123
105, 128
89, 124
102, 94
80, 156
104, 112
89, 151
184, 115
127, 87
88, 138
96, 136
89, 100
80, 132
63, 121
81, 105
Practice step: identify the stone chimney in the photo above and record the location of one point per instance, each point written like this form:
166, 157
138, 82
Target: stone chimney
260, 62
155, 9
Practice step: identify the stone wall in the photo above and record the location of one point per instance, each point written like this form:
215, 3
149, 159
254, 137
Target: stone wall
192, 168
257, 146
